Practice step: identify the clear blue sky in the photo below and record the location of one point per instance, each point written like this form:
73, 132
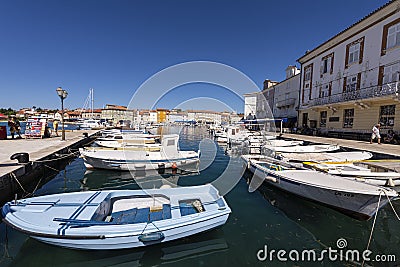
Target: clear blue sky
115, 46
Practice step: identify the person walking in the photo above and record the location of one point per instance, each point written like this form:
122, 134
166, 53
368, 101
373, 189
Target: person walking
55, 126
12, 126
375, 133
18, 127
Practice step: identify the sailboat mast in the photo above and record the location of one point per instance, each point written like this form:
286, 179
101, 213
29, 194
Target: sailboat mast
92, 95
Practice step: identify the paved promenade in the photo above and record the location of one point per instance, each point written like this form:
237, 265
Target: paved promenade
388, 149
37, 148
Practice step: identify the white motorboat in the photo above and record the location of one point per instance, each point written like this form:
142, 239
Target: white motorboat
89, 124
320, 157
117, 140
356, 199
117, 219
168, 156
360, 171
303, 149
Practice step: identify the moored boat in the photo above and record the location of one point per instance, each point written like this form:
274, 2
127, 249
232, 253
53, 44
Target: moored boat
356, 199
360, 171
168, 156
118, 219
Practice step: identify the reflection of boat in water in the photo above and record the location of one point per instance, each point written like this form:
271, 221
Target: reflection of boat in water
106, 179
34, 253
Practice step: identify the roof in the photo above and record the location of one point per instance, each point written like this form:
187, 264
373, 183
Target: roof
3, 116
348, 29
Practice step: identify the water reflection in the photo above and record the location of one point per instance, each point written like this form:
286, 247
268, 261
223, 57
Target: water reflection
173, 252
106, 179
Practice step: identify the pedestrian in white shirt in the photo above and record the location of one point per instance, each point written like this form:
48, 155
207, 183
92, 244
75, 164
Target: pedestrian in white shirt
375, 133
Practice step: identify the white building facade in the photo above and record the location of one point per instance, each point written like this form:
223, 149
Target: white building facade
351, 82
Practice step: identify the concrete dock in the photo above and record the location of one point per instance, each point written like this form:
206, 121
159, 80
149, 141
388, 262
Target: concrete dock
37, 148
384, 149
47, 152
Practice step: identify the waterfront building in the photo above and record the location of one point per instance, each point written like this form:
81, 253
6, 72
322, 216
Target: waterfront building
265, 100
116, 113
250, 103
205, 116
162, 115
286, 96
177, 116
88, 114
153, 118
351, 82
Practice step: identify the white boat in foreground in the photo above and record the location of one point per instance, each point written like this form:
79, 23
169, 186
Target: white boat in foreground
167, 156
356, 199
118, 219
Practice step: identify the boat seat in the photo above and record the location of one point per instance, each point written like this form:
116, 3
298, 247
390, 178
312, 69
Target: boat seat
166, 211
123, 217
186, 208
142, 215
156, 216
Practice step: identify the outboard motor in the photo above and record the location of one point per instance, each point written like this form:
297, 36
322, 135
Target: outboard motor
86, 135
21, 157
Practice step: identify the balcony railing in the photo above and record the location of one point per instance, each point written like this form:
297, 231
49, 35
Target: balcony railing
285, 102
389, 89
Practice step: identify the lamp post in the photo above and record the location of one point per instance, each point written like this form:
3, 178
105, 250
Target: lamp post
63, 95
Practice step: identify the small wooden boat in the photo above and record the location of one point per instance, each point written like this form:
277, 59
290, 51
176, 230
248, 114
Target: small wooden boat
118, 219
356, 199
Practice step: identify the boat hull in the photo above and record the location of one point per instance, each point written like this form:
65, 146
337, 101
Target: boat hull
356, 205
112, 243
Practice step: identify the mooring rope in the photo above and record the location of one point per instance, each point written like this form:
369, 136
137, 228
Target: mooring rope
373, 225
391, 205
58, 158
16, 179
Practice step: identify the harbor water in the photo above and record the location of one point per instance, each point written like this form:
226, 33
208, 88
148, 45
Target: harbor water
267, 219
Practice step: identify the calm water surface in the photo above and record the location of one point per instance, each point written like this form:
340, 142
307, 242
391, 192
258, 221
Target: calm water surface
267, 217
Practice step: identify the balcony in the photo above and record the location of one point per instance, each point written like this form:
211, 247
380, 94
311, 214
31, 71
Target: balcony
286, 102
386, 90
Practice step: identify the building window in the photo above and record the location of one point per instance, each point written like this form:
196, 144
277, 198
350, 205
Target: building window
391, 36
327, 64
307, 83
386, 116
325, 90
354, 52
348, 118
391, 73
323, 117
352, 83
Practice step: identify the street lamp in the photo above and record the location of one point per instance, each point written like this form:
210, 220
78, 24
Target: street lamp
63, 95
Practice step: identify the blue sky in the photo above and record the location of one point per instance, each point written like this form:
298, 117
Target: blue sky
115, 46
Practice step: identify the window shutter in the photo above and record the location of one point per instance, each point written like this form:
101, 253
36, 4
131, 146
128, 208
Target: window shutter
358, 80
384, 40
330, 88
380, 75
344, 84
361, 50
332, 62
346, 61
